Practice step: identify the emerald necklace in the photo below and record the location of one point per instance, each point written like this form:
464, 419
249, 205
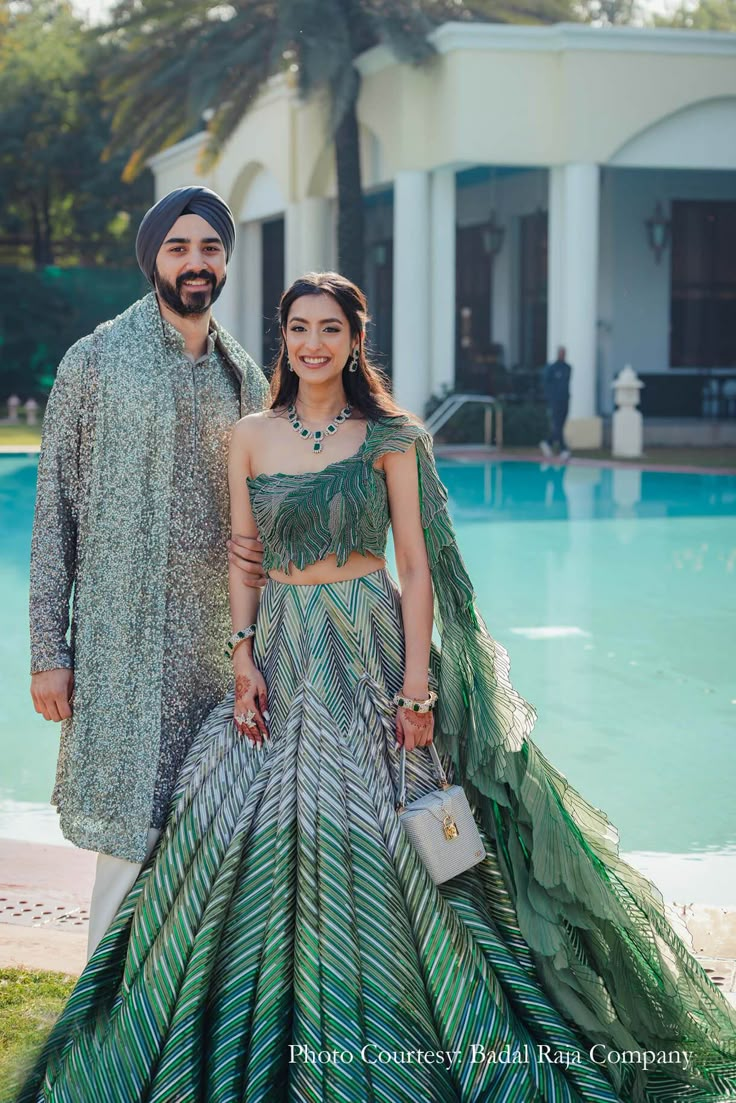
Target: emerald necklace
318, 434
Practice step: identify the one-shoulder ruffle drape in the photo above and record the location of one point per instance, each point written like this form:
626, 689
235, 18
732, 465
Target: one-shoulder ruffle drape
602, 942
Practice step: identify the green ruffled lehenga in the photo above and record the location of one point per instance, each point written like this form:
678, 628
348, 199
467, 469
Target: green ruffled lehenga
284, 907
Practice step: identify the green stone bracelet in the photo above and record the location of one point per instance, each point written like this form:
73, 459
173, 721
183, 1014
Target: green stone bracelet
416, 706
237, 638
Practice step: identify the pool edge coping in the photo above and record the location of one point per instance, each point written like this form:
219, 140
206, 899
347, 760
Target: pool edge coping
485, 455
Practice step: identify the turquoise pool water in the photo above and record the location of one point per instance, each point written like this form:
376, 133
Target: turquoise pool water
614, 592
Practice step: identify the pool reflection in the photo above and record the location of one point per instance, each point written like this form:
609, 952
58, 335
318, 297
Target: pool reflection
555, 492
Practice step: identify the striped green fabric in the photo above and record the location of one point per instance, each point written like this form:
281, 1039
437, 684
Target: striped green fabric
285, 943
284, 906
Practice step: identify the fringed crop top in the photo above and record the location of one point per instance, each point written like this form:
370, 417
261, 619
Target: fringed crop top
341, 509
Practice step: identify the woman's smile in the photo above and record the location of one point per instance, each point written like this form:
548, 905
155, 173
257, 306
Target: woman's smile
315, 361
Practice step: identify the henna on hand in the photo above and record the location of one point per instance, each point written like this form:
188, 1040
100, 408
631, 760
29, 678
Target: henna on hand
420, 720
242, 685
253, 700
419, 725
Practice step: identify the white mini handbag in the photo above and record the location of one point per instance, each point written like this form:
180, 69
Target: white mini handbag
440, 825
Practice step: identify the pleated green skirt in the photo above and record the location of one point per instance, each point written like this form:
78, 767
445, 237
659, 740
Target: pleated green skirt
285, 942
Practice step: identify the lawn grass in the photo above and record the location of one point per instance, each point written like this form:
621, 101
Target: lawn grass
20, 434
30, 1002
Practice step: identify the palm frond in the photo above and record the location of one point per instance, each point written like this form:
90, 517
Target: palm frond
199, 58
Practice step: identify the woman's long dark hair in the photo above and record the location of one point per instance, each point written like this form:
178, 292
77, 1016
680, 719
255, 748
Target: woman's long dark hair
367, 389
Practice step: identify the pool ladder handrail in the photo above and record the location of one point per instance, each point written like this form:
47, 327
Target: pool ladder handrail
454, 402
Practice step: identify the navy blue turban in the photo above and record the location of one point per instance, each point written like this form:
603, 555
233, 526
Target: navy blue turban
158, 221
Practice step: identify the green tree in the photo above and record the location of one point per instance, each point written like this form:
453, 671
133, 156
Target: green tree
531, 12
610, 13
58, 201
598, 12
707, 15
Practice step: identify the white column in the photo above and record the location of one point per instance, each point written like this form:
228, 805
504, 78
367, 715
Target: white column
556, 323
505, 284
250, 249
410, 360
315, 234
309, 246
573, 290
442, 278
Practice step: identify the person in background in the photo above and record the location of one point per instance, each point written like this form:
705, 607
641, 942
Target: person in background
556, 385
132, 513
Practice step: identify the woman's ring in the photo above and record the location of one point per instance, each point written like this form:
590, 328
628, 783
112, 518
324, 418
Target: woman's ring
247, 719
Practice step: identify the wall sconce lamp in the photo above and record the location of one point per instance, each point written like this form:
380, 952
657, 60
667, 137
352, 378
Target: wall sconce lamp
380, 254
493, 236
658, 232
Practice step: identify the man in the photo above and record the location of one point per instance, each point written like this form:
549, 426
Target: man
132, 512
556, 386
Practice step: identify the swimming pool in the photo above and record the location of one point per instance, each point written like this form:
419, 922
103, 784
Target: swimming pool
612, 589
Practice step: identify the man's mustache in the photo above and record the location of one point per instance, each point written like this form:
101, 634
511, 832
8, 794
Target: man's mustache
195, 276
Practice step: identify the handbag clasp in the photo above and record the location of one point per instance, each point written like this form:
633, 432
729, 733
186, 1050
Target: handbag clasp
450, 827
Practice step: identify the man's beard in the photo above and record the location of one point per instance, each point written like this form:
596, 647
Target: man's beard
188, 302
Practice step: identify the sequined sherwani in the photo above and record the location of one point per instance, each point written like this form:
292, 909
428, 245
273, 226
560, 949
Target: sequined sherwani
132, 513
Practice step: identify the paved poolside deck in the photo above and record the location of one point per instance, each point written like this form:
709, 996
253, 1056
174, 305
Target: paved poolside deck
44, 900
19, 449
44, 905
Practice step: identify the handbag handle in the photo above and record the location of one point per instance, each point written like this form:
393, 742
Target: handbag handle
439, 774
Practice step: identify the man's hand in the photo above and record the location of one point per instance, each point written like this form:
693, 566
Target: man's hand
51, 691
246, 553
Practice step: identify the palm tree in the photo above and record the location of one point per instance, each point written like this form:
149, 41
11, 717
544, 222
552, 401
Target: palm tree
178, 63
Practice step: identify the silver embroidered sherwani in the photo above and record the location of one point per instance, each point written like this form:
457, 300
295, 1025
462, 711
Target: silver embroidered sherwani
132, 514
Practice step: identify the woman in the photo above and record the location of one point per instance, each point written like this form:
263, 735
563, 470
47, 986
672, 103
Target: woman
286, 942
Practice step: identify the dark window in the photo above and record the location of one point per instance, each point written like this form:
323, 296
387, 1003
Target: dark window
378, 208
703, 301
380, 285
272, 276
533, 313
473, 291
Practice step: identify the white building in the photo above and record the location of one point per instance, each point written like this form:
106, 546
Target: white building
508, 184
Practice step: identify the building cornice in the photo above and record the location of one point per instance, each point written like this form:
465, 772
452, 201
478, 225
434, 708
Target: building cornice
182, 149
581, 37
562, 38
